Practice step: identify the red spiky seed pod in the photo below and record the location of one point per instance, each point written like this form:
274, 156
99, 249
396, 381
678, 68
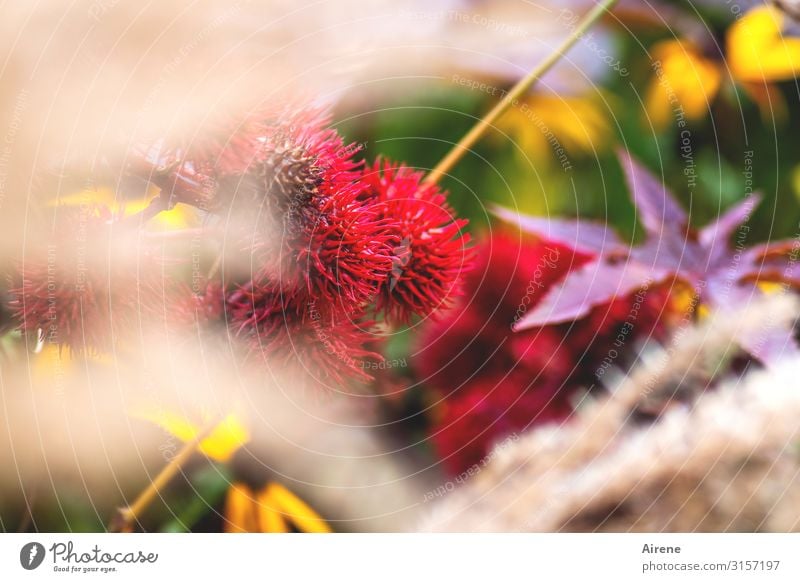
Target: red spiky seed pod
202, 308
328, 347
269, 160
297, 158
432, 250
188, 167
83, 288
343, 250
329, 242
288, 188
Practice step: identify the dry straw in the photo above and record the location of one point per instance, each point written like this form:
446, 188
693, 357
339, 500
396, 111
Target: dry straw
725, 459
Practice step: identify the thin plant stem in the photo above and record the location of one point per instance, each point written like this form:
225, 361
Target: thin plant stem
125, 517
512, 97
212, 271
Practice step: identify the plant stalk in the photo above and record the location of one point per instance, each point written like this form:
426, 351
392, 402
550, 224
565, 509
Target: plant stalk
512, 97
125, 517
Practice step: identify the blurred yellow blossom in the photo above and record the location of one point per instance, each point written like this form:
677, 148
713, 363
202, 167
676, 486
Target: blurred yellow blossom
271, 509
179, 217
757, 53
223, 440
553, 126
757, 50
684, 78
50, 364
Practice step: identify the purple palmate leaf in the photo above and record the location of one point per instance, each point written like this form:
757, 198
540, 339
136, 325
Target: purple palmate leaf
716, 236
772, 344
593, 284
581, 235
721, 275
657, 209
788, 249
783, 271
769, 344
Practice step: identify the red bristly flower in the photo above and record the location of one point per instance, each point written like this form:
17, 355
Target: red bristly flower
431, 251
327, 346
81, 290
319, 231
333, 245
336, 246
340, 252
484, 412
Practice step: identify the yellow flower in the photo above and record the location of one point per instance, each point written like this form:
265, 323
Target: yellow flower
757, 51
51, 365
224, 439
272, 509
179, 217
548, 127
683, 299
757, 54
772, 287
685, 83
684, 302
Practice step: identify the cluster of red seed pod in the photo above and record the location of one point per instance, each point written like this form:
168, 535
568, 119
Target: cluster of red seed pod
333, 244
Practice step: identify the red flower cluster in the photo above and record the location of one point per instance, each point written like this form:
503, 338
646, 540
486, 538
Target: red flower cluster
331, 242
430, 255
77, 289
325, 345
492, 382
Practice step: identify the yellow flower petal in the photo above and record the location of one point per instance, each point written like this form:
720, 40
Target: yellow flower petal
771, 287
228, 436
546, 125
684, 302
102, 197
268, 511
53, 363
296, 510
685, 83
179, 217
270, 519
758, 51
240, 515
682, 298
